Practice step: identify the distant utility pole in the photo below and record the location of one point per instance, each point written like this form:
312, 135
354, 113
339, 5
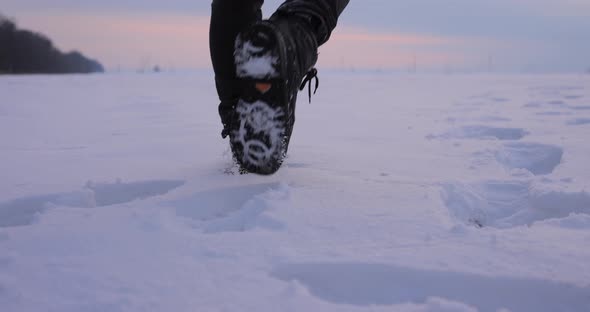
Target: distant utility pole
414, 64
490, 63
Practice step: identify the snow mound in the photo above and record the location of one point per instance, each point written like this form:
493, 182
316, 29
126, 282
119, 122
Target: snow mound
537, 158
505, 204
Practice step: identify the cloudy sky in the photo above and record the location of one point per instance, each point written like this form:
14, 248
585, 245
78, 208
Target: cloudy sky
449, 35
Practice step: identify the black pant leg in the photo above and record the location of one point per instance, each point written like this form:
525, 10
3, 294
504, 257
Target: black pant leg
323, 14
228, 18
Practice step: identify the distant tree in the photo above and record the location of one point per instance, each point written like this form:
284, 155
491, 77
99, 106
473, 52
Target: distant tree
7, 29
76, 62
23, 51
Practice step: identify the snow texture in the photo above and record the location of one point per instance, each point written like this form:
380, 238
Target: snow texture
401, 193
251, 62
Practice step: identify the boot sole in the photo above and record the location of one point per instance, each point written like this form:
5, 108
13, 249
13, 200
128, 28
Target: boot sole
259, 142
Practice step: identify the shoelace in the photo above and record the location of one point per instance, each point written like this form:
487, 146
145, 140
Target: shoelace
311, 74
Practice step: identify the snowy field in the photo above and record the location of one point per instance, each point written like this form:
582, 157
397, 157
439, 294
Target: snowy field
400, 193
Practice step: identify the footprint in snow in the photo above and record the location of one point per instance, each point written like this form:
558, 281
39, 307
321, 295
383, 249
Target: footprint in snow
370, 284
25, 210
296, 165
555, 90
553, 113
539, 159
558, 103
579, 107
232, 209
507, 204
532, 105
494, 119
499, 99
578, 122
573, 97
490, 96
483, 132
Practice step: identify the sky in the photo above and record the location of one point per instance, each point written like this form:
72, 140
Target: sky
429, 35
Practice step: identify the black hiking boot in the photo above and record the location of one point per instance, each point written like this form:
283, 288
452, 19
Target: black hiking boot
229, 95
227, 112
272, 58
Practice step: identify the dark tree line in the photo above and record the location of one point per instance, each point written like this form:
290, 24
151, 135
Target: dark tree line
27, 52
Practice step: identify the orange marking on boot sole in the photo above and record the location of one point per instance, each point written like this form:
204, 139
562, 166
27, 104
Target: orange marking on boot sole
263, 87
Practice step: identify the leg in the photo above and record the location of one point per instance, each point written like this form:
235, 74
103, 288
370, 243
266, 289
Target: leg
272, 57
322, 15
228, 18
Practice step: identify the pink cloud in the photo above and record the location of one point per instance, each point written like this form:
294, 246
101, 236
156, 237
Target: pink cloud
181, 41
357, 34
130, 40
361, 48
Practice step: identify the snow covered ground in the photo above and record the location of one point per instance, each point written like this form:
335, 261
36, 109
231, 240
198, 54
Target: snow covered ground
401, 193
